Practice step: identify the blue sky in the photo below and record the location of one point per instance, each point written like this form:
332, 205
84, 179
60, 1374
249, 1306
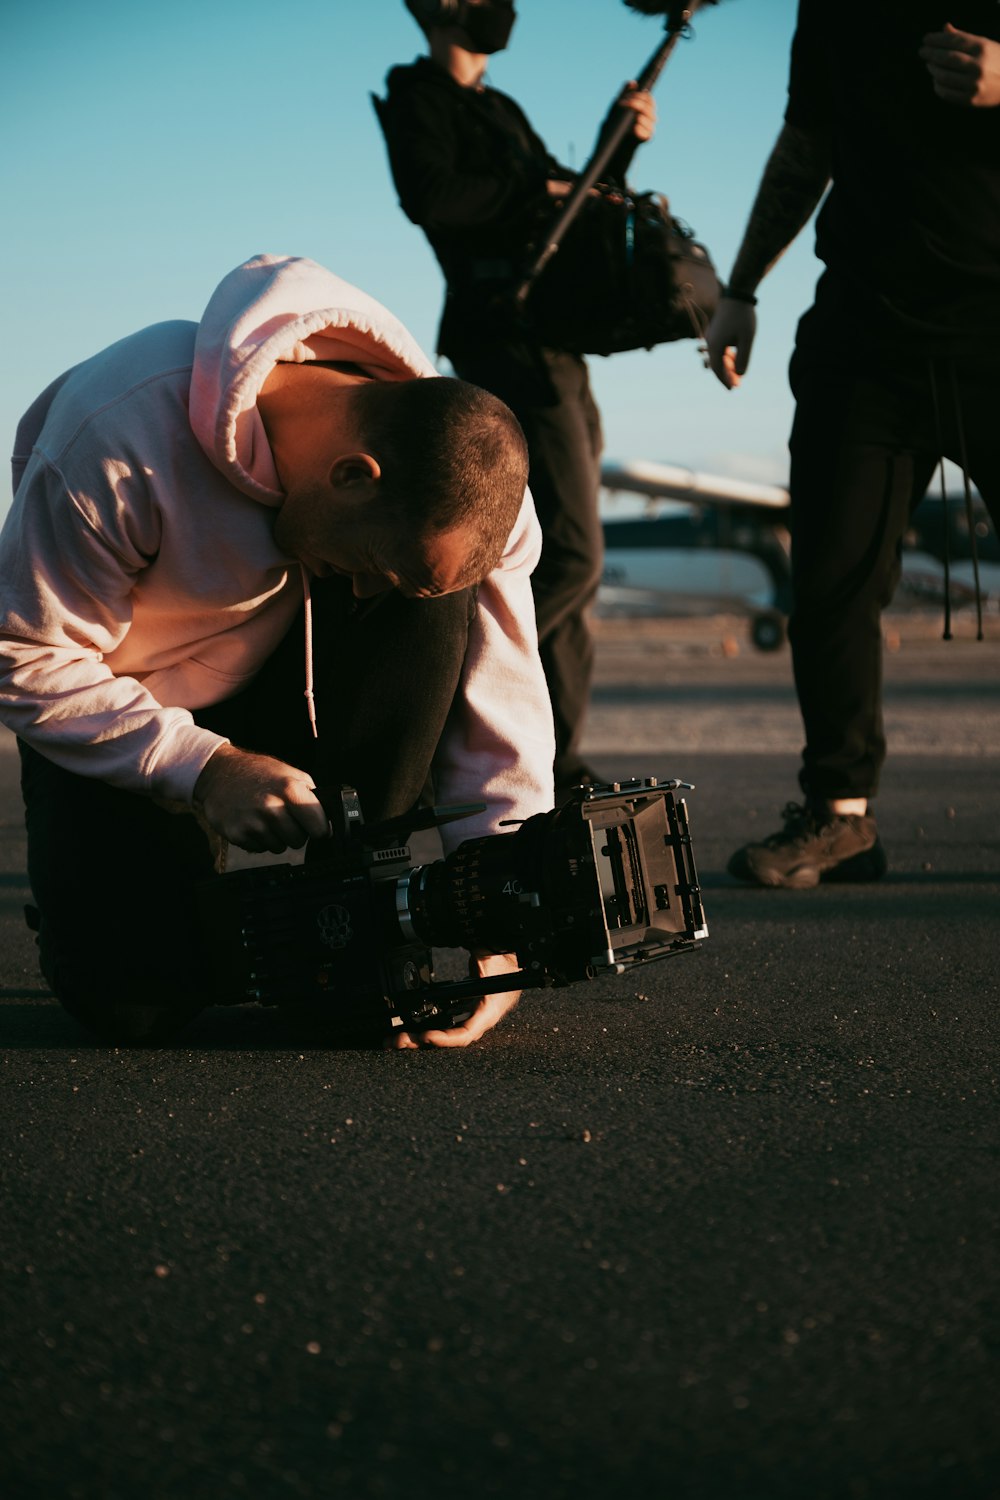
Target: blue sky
148, 150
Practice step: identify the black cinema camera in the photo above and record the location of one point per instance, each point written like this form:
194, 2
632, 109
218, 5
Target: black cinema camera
597, 886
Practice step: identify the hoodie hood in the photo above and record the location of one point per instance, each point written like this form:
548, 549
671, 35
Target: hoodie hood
278, 309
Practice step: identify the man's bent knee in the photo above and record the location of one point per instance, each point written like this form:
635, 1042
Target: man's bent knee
124, 1023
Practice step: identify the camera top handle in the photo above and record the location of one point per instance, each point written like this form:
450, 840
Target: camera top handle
343, 810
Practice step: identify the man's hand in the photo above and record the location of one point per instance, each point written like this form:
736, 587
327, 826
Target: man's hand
729, 340
964, 69
257, 803
642, 101
489, 1010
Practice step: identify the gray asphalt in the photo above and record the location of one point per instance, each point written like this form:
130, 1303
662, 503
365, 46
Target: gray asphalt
728, 1232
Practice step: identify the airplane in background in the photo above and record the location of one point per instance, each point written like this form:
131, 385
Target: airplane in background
694, 543
700, 543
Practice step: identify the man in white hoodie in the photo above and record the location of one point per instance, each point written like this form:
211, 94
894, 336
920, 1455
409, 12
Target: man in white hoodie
247, 557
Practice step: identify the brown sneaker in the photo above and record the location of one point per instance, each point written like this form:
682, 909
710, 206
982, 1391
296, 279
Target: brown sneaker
814, 845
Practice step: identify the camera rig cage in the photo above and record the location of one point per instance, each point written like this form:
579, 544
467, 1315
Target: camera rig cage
597, 886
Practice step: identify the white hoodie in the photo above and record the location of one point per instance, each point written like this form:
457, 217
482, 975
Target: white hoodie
140, 579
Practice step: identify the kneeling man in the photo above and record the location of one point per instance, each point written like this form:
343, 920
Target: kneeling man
246, 558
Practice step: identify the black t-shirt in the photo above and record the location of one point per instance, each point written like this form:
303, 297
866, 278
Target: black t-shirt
912, 219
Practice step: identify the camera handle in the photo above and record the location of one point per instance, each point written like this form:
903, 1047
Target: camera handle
342, 806
616, 127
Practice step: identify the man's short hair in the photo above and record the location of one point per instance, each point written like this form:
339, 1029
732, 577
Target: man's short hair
452, 455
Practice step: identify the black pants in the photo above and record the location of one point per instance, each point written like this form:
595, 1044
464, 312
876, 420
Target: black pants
113, 875
872, 418
549, 393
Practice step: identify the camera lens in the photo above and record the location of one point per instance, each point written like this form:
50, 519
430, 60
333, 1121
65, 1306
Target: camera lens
479, 896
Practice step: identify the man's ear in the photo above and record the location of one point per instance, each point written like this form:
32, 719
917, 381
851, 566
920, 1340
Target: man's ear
352, 470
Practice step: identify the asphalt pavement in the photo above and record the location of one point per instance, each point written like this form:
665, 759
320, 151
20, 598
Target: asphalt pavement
731, 1231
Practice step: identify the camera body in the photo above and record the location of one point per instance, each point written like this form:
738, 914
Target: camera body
597, 886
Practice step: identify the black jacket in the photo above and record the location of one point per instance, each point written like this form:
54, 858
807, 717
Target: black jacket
471, 172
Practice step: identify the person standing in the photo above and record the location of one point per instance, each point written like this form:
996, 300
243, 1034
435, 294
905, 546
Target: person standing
894, 365
473, 174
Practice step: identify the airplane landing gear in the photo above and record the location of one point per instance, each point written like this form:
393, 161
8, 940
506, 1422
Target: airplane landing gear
767, 630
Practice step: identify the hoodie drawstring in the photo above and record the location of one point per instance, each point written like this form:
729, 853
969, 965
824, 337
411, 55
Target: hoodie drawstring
310, 695
969, 515
939, 433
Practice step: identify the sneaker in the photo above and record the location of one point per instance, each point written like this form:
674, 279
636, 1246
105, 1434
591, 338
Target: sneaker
814, 845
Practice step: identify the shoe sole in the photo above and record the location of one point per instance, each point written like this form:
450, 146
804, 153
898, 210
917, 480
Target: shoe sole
867, 866
870, 864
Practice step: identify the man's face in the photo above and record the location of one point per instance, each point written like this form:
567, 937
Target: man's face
333, 539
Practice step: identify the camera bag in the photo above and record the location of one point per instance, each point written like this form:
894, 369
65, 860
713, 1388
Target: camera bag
627, 275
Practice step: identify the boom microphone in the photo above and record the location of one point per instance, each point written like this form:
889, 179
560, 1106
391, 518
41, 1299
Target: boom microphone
654, 7
661, 7
678, 14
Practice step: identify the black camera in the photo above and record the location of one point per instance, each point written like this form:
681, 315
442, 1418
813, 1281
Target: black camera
597, 886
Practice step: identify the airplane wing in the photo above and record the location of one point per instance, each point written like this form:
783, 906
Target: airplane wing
671, 482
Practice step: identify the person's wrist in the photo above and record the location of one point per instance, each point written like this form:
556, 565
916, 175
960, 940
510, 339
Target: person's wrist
210, 771
740, 294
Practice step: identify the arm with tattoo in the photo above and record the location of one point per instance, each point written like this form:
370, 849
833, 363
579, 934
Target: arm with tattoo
794, 181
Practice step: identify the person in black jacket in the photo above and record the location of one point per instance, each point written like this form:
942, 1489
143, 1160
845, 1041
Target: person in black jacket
894, 365
473, 174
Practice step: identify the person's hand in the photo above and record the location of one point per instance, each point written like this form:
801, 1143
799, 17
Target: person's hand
489, 1009
729, 340
964, 69
644, 105
257, 803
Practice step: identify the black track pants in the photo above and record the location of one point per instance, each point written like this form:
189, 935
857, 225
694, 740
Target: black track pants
549, 393
866, 438
113, 874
